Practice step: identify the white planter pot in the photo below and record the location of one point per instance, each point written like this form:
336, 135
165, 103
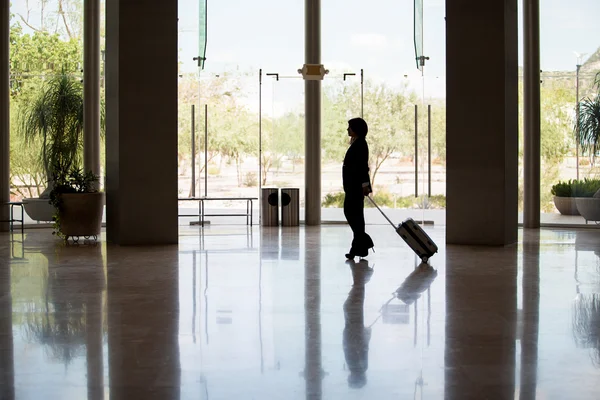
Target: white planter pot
39, 209
566, 205
589, 208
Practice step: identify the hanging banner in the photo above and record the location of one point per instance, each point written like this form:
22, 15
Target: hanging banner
202, 27
419, 33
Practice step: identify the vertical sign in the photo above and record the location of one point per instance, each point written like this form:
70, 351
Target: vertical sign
202, 25
419, 33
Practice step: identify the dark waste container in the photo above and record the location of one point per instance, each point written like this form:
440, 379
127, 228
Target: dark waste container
290, 206
269, 207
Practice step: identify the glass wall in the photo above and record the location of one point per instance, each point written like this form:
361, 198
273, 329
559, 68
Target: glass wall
383, 85
42, 46
407, 167
570, 60
282, 136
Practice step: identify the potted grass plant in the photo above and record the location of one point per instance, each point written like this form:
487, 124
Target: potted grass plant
566, 194
564, 201
53, 121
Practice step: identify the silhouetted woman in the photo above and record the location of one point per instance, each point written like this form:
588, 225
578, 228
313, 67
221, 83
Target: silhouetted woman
357, 185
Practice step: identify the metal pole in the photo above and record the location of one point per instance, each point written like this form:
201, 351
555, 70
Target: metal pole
259, 144
416, 150
205, 150
577, 122
91, 86
193, 150
531, 21
4, 116
429, 148
312, 104
362, 95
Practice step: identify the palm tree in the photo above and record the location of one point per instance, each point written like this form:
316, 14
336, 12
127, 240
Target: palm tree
56, 118
587, 125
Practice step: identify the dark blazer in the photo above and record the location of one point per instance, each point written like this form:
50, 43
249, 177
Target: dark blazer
355, 170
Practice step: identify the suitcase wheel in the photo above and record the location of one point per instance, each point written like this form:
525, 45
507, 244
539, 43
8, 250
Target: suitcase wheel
425, 259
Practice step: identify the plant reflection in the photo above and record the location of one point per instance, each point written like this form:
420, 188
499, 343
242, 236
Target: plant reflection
59, 320
586, 324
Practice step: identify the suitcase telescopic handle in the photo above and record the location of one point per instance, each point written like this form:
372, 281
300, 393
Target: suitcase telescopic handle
382, 213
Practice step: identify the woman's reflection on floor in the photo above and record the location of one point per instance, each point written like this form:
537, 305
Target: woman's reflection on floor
356, 335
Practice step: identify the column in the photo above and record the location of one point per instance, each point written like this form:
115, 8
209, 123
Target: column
482, 121
312, 164
531, 88
141, 122
91, 86
4, 112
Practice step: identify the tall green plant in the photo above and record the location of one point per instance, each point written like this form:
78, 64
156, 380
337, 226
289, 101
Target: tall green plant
587, 126
56, 117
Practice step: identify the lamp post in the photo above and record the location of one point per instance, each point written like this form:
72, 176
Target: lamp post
578, 66
577, 119
103, 53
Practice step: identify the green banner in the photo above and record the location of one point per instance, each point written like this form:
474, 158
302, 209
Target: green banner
202, 25
419, 32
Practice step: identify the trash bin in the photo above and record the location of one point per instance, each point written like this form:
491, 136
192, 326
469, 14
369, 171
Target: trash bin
269, 207
290, 207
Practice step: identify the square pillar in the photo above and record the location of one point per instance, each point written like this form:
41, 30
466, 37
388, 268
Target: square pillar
482, 121
141, 122
4, 112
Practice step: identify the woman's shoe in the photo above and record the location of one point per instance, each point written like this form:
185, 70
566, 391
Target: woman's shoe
364, 253
350, 256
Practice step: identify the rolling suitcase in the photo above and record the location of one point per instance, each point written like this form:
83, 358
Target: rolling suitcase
414, 236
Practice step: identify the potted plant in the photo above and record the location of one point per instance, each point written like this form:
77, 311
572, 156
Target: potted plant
78, 203
567, 193
564, 199
54, 120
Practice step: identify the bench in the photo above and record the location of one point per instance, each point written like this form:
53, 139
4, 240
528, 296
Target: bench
201, 214
12, 219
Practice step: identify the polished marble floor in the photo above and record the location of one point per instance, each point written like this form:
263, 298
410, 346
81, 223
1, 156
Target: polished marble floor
276, 313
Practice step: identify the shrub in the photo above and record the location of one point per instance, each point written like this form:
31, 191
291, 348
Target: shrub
562, 189
333, 200
386, 199
250, 179
585, 188
382, 198
576, 188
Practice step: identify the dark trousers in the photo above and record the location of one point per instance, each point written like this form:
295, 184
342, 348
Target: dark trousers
354, 211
